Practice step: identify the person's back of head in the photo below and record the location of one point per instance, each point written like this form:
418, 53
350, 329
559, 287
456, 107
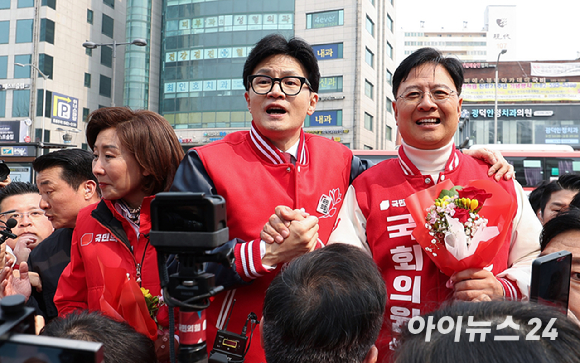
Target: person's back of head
121, 343
326, 306
535, 196
493, 331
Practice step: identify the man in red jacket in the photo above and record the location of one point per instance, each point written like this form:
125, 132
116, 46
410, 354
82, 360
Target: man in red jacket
375, 216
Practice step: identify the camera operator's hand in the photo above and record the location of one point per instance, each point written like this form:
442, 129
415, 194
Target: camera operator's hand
277, 227
303, 238
162, 346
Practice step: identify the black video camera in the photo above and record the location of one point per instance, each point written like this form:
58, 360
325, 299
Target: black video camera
189, 230
18, 342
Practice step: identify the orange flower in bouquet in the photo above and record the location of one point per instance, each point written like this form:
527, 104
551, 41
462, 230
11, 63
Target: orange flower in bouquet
461, 227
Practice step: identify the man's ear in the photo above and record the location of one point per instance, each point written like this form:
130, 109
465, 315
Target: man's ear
89, 189
372, 355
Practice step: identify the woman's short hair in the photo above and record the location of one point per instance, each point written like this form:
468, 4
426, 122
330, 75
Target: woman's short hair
146, 135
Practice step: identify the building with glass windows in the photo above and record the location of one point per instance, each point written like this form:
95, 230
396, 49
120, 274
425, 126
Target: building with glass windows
205, 44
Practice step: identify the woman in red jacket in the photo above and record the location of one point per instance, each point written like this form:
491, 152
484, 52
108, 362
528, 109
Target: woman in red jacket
136, 154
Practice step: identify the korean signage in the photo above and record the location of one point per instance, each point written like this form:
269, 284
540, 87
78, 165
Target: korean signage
207, 53
330, 84
501, 32
324, 118
327, 51
478, 65
207, 85
521, 92
9, 131
326, 19
477, 113
555, 69
16, 86
65, 110
568, 135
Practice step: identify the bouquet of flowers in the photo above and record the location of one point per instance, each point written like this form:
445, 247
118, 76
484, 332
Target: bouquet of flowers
461, 227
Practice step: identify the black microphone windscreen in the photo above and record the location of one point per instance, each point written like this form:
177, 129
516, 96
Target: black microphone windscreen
11, 223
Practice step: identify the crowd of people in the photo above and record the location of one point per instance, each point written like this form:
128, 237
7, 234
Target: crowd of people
325, 254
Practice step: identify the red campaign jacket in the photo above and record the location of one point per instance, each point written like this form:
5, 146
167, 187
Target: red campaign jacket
252, 176
102, 238
414, 284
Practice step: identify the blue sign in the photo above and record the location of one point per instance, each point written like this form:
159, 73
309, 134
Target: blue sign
326, 51
324, 118
567, 135
65, 110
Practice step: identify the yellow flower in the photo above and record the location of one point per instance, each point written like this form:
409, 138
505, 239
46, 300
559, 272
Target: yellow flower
146, 293
474, 204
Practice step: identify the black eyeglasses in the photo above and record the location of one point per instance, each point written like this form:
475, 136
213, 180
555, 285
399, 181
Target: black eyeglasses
291, 86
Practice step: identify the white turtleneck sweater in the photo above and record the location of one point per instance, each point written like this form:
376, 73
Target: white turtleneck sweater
429, 162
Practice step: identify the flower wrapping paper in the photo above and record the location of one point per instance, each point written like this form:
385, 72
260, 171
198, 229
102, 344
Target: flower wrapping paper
498, 210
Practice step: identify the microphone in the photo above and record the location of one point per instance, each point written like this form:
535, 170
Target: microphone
11, 223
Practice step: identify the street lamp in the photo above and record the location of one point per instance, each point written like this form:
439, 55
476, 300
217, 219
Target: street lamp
503, 51
45, 77
114, 44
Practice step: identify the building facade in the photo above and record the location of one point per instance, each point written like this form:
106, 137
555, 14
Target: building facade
538, 103
205, 44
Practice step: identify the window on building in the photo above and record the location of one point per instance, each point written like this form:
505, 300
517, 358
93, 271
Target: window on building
24, 31
47, 104
389, 77
89, 52
88, 80
47, 31
90, 16
330, 84
368, 122
21, 103
50, 3
105, 86
4, 4
4, 32
107, 26
22, 72
325, 19
25, 3
366, 147
45, 64
107, 56
389, 50
2, 104
389, 105
86, 113
369, 89
369, 57
370, 26
372, 2
389, 23
3, 67
388, 133
111, 3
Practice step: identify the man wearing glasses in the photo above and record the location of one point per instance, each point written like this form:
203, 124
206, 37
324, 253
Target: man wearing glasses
374, 216
20, 201
274, 163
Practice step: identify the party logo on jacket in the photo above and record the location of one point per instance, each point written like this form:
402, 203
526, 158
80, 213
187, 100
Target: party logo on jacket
327, 203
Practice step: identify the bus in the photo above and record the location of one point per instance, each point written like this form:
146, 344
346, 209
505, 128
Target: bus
533, 163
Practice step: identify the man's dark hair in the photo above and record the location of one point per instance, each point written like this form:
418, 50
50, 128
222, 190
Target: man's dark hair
122, 343
567, 220
17, 188
428, 56
326, 306
564, 182
275, 44
76, 165
443, 348
535, 196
